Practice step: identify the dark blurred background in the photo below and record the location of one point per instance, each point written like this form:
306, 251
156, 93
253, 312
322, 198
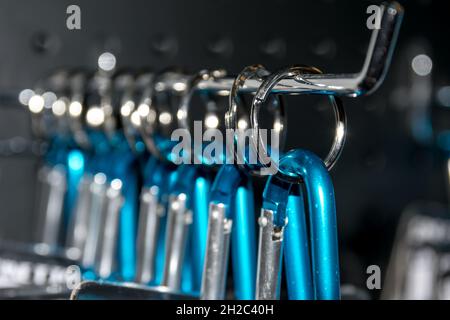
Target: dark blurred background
392, 155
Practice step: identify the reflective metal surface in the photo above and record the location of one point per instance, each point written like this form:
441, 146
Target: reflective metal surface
150, 215
216, 257
270, 249
52, 200
106, 256
178, 220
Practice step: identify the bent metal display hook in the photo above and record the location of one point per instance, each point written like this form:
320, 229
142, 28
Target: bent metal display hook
378, 58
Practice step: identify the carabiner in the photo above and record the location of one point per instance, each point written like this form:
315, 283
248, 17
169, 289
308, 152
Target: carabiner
279, 208
188, 203
58, 177
159, 178
230, 208
109, 248
126, 171
105, 255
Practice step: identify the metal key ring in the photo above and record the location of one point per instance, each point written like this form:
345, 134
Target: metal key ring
129, 115
147, 113
183, 109
122, 83
258, 72
76, 108
260, 98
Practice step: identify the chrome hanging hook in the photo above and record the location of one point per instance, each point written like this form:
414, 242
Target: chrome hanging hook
378, 58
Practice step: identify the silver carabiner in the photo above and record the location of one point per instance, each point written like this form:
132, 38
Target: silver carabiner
179, 218
150, 214
97, 190
53, 187
105, 260
79, 223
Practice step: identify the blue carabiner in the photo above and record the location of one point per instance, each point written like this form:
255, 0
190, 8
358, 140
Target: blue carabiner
231, 211
201, 197
111, 158
282, 220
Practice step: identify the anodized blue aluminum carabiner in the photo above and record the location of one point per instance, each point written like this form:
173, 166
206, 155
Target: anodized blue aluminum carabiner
187, 196
198, 236
231, 215
110, 248
279, 208
90, 202
188, 204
